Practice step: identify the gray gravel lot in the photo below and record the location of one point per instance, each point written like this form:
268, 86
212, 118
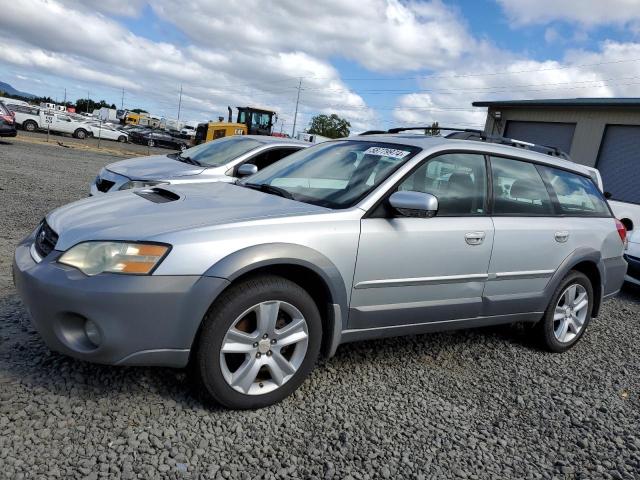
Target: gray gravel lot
472, 404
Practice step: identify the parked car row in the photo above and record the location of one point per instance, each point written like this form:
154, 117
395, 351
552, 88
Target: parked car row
32, 118
249, 257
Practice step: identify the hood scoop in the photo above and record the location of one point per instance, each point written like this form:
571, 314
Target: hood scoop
158, 195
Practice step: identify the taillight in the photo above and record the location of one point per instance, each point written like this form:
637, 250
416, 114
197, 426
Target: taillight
7, 118
622, 231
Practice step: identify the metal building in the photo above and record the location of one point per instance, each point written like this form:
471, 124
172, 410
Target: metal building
600, 132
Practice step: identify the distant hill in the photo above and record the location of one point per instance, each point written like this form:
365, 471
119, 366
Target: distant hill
5, 87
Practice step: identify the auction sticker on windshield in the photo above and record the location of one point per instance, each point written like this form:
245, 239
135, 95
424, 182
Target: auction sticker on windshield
386, 152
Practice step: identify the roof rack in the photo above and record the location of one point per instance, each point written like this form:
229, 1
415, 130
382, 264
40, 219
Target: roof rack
512, 142
480, 136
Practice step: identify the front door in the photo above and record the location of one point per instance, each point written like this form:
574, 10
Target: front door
530, 241
421, 270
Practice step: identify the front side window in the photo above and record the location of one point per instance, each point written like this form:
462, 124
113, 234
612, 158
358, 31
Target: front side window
577, 195
334, 174
458, 180
221, 151
518, 189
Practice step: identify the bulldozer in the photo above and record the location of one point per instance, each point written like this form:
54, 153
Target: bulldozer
250, 121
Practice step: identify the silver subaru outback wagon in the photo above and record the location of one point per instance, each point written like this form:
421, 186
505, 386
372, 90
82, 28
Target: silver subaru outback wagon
360, 238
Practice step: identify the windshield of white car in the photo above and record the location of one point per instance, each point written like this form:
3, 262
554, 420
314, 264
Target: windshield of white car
219, 152
334, 174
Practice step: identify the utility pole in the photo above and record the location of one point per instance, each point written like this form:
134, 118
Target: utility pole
88, 94
122, 102
295, 115
65, 96
179, 102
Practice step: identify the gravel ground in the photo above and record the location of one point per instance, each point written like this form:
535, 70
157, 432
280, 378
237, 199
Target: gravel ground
473, 404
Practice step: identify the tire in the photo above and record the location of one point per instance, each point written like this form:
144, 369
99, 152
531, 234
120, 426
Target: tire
182, 147
550, 328
122, 139
151, 143
237, 307
30, 126
80, 133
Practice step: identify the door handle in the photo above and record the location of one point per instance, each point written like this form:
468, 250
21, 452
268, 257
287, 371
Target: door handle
561, 237
474, 238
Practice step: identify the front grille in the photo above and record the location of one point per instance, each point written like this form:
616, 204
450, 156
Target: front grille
103, 185
46, 239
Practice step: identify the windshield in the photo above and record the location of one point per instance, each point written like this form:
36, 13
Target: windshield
334, 174
220, 152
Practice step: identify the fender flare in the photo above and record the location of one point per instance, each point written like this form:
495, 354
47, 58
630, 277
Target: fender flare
578, 256
251, 258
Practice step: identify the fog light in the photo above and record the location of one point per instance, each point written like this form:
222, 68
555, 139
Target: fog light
92, 332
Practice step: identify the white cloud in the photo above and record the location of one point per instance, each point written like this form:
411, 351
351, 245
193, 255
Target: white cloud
102, 51
381, 35
585, 12
447, 97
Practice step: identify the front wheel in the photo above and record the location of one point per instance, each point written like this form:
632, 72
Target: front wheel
182, 147
122, 139
81, 134
568, 313
259, 342
151, 143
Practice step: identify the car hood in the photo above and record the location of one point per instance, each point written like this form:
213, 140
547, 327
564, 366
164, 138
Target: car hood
143, 214
154, 167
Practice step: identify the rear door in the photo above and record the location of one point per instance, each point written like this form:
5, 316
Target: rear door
531, 240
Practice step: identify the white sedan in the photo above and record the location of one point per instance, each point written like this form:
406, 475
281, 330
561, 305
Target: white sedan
109, 133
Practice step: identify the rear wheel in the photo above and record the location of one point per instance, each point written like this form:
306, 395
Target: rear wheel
80, 133
568, 313
182, 147
151, 143
30, 126
259, 342
122, 139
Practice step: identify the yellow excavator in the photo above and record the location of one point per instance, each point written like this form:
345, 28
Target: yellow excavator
250, 121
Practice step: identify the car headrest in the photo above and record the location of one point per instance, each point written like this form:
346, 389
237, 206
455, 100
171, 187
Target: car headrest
525, 190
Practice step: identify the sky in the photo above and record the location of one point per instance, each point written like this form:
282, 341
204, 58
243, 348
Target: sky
377, 63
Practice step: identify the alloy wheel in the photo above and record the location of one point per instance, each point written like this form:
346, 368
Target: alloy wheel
570, 313
264, 347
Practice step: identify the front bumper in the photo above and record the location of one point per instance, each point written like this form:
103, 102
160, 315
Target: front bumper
142, 320
633, 269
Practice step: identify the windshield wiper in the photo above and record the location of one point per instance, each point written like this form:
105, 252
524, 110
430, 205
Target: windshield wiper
188, 160
263, 187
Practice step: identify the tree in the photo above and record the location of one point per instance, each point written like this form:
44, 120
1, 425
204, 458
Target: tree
331, 126
139, 110
434, 130
81, 105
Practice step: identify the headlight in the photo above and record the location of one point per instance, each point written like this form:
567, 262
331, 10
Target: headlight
140, 184
92, 258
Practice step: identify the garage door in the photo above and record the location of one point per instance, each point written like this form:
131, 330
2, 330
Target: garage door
559, 135
619, 162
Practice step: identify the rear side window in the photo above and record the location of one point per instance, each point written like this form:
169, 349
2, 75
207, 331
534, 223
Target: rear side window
518, 189
577, 195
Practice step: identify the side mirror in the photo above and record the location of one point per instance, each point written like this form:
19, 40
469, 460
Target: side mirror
246, 170
414, 204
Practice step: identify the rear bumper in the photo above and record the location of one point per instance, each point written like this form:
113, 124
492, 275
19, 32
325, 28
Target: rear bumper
614, 273
8, 131
142, 320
